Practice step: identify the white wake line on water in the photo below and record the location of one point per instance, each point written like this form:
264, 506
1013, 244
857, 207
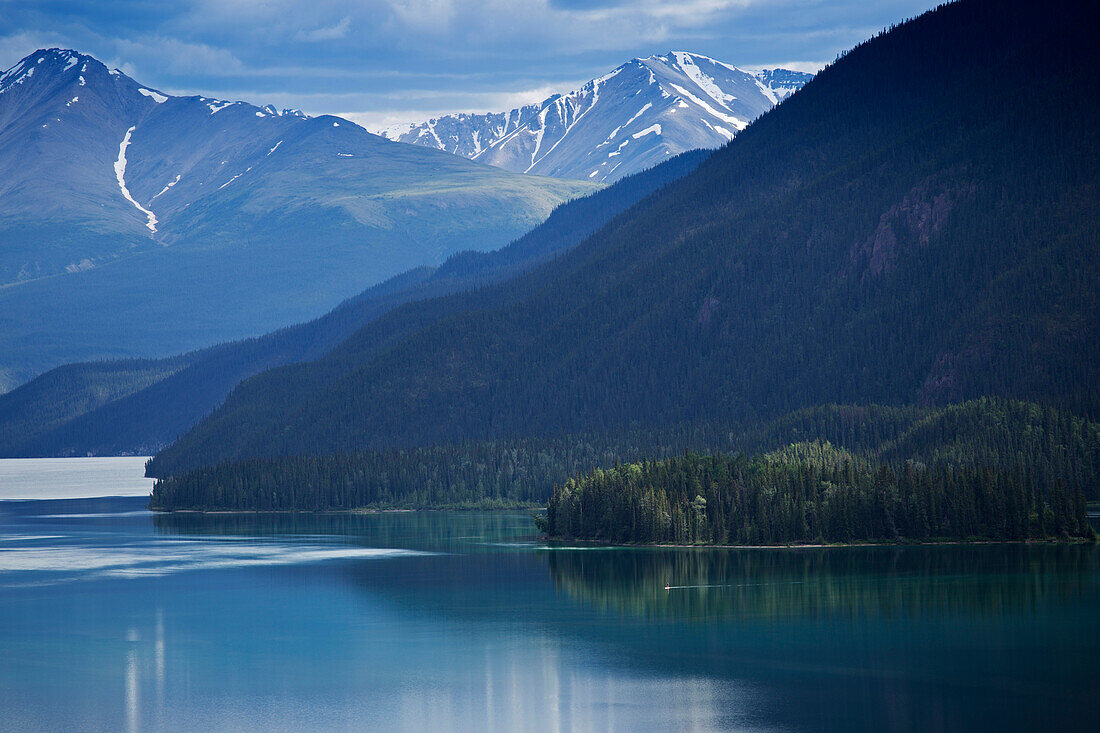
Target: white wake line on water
86, 562
95, 515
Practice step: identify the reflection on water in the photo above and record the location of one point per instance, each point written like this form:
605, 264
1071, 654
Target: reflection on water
55, 563
411, 530
116, 620
132, 702
717, 585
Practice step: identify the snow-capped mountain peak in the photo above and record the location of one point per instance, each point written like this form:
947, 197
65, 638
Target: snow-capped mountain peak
622, 122
145, 153
46, 63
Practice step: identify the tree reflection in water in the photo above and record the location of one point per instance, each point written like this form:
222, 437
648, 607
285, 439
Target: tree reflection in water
703, 585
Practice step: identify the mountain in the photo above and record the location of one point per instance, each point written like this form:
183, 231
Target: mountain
139, 406
618, 124
917, 225
137, 223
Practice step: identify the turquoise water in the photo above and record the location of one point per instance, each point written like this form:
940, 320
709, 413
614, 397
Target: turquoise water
112, 618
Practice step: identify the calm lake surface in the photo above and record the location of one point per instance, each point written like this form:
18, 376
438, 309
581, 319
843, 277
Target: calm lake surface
114, 618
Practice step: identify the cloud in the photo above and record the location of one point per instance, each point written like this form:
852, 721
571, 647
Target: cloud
810, 67
480, 27
165, 55
328, 33
432, 16
416, 106
412, 59
16, 47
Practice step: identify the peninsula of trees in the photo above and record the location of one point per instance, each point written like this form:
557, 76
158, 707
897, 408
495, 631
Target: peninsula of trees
809, 493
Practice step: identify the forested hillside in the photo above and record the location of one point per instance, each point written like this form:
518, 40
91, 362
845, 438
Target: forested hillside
808, 493
1053, 445
139, 406
916, 226
1048, 447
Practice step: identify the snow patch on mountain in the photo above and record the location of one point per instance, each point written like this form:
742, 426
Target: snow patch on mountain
165, 189
155, 96
735, 121
230, 181
120, 174
9, 79
704, 82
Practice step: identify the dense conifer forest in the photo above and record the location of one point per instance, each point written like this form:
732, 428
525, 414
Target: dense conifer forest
809, 493
1049, 447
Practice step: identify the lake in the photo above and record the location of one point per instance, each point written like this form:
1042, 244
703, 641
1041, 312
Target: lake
114, 618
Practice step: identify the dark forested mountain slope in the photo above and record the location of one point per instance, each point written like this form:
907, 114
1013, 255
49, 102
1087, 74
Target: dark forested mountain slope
136, 406
918, 224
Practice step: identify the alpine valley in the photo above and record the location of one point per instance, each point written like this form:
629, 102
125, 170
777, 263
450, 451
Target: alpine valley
137, 223
621, 123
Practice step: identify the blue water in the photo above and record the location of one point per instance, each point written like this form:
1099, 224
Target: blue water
113, 618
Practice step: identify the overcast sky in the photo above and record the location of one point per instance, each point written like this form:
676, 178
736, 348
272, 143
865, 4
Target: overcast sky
386, 61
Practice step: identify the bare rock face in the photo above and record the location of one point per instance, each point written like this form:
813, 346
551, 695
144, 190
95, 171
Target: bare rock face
912, 222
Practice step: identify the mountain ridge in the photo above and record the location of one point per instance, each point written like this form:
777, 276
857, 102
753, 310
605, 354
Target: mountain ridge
615, 124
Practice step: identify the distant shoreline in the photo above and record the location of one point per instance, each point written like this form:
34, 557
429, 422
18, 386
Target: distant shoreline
79, 477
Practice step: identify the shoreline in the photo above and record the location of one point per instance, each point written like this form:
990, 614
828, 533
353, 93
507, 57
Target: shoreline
823, 546
640, 545
365, 510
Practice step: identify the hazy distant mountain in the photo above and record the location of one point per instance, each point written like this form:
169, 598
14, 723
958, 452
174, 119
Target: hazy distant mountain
621, 123
137, 406
135, 222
